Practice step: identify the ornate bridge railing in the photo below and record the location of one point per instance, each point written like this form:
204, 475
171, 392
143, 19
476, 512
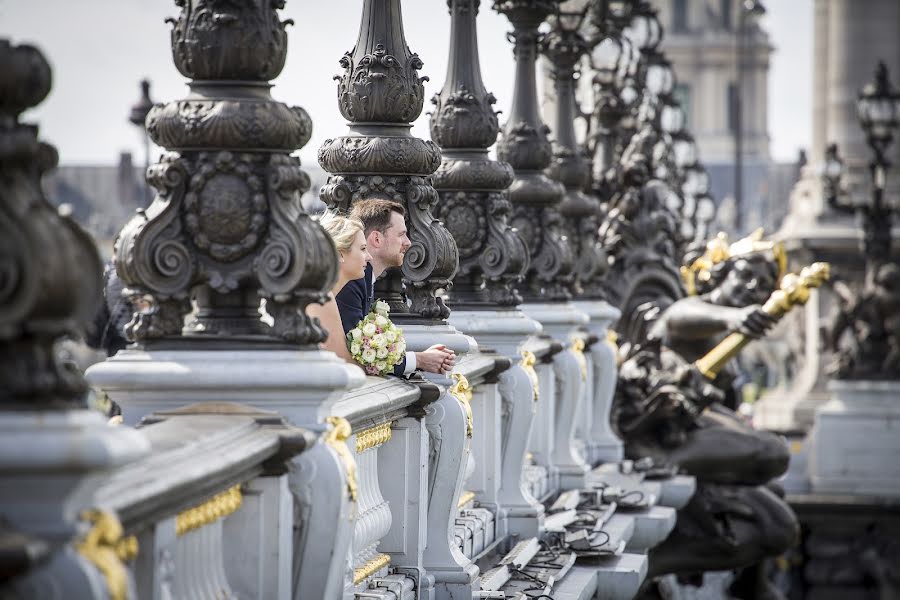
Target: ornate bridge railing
208, 513
390, 449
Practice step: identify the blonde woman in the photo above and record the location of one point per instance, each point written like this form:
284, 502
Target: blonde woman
350, 242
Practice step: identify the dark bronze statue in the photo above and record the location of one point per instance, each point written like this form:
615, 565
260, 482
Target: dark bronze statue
673, 396
865, 329
667, 409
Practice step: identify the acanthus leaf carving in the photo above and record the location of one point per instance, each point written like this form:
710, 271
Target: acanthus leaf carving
229, 40
379, 154
463, 119
525, 146
378, 86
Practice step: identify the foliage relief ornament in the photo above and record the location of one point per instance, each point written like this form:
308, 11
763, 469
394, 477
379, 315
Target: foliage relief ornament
380, 87
226, 228
220, 39
463, 119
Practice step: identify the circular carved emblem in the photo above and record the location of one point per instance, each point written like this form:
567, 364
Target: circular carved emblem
225, 208
225, 211
466, 223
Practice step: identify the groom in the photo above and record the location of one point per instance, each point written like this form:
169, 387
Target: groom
387, 243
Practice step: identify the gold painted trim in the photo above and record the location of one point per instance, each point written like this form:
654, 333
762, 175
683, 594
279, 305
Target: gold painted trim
793, 291
462, 391
465, 498
219, 506
100, 547
127, 548
612, 338
371, 567
528, 362
337, 437
373, 437
578, 349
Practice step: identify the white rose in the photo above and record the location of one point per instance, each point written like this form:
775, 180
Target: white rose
381, 365
381, 321
378, 340
369, 329
368, 355
356, 333
381, 353
391, 336
355, 348
382, 308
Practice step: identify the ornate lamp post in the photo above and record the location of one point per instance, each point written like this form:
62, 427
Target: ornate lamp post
138, 117
614, 59
380, 93
878, 108
870, 348
564, 47
525, 146
536, 199
474, 204
226, 231
475, 208
52, 448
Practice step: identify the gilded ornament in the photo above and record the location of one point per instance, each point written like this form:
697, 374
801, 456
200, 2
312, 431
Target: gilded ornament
528, 362
103, 546
218, 507
462, 391
578, 349
337, 437
793, 291
373, 437
465, 498
371, 567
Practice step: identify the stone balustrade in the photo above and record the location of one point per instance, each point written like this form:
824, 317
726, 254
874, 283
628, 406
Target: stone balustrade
389, 447
216, 474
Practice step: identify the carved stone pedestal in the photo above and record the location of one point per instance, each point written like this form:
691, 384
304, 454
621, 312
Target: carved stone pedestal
560, 320
504, 331
854, 442
300, 384
601, 443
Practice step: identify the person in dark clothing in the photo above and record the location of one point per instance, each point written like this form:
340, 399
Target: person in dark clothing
387, 243
108, 328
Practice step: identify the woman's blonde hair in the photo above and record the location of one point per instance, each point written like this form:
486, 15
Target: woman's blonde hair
342, 229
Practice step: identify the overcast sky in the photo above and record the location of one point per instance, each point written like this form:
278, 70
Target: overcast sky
100, 49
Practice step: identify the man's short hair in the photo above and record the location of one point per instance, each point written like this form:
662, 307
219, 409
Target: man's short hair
375, 213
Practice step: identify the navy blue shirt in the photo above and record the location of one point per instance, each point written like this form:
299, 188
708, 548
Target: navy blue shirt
355, 301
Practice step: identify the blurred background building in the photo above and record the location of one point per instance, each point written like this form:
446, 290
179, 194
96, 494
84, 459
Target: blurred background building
720, 52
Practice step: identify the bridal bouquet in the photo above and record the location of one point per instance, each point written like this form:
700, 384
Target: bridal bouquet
376, 343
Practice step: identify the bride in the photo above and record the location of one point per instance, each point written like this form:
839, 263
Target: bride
350, 242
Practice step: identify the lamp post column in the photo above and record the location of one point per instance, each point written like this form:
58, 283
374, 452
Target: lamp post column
536, 199
475, 208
